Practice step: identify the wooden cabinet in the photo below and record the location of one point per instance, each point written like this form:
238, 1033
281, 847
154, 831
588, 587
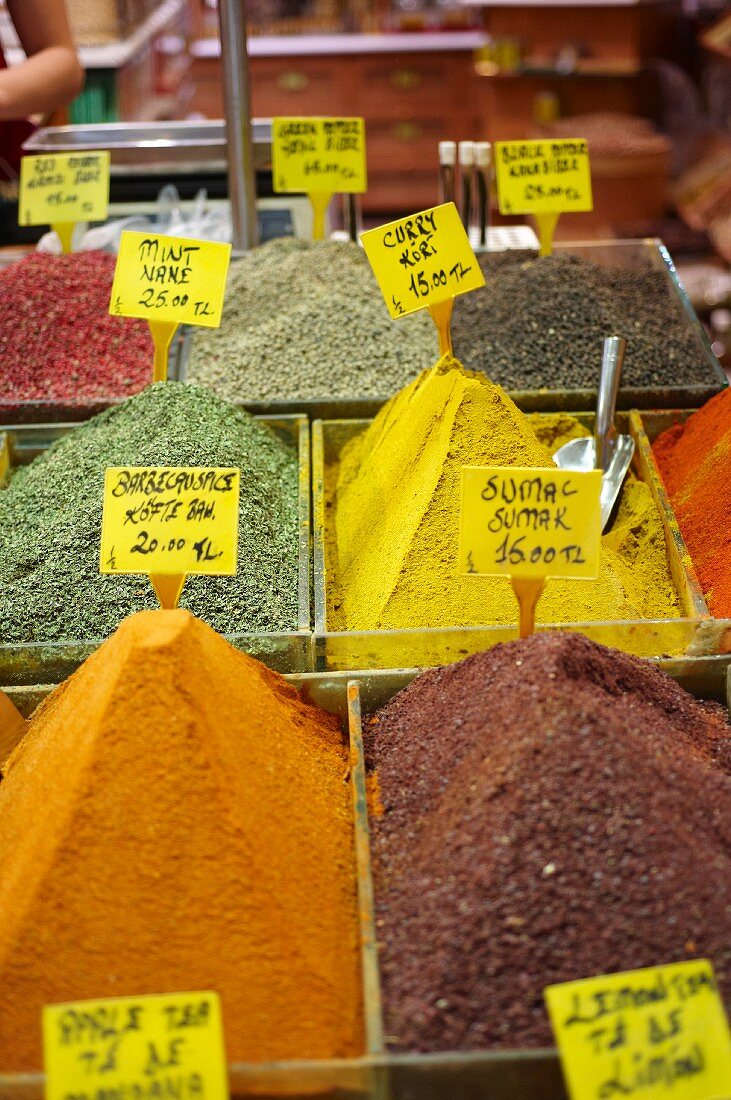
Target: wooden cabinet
410, 101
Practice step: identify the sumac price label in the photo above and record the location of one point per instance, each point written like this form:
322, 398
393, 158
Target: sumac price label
530, 522
423, 259
173, 279
170, 520
655, 1033
168, 1045
543, 177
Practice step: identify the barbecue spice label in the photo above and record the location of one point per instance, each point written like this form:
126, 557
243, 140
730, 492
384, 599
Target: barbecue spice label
543, 177
319, 154
170, 520
64, 187
170, 279
530, 522
423, 259
659, 1032
148, 1046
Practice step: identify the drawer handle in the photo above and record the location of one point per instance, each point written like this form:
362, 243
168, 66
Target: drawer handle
292, 82
405, 79
407, 131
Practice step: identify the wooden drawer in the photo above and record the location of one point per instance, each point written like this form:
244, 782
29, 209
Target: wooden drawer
299, 86
405, 85
408, 143
400, 193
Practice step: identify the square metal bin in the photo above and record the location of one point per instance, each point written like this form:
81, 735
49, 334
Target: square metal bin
335, 649
378, 1075
52, 661
648, 254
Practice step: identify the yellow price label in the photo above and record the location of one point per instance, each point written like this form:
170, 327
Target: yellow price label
423, 259
171, 279
532, 522
319, 154
542, 177
659, 1032
170, 520
64, 187
148, 1046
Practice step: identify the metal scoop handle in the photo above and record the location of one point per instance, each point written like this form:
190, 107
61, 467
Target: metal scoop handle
604, 432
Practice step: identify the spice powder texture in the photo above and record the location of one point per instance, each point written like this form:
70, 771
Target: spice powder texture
50, 521
694, 460
177, 818
393, 532
306, 320
549, 809
58, 341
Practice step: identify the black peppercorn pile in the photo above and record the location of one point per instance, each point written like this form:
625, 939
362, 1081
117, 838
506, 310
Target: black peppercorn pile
539, 322
551, 810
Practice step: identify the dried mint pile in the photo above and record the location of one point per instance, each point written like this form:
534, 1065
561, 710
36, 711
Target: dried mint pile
50, 521
58, 342
539, 322
306, 320
548, 810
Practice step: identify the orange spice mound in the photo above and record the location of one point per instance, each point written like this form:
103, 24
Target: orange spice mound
176, 819
694, 460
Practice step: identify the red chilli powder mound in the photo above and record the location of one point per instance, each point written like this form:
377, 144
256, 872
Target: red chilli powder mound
551, 809
694, 460
58, 341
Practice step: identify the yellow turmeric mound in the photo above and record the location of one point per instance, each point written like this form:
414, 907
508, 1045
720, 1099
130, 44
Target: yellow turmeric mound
393, 550
176, 819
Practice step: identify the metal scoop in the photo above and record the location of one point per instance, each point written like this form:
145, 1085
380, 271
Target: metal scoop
607, 451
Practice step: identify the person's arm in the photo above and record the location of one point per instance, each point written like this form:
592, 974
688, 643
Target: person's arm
52, 75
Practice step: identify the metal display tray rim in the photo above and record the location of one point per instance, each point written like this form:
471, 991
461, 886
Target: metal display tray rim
293, 647
191, 143
695, 630
539, 400
349, 695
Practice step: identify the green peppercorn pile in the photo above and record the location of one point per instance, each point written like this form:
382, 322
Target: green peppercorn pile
50, 521
539, 323
306, 320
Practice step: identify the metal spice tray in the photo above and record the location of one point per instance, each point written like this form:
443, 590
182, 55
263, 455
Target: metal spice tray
694, 634
519, 1074
72, 410
648, 254
53, 661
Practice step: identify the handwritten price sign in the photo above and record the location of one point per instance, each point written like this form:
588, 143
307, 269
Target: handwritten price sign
170, 279
530, 522
161, 1045
421, 260
543, 177
170, 520
319, 154
66, 187
655, 1033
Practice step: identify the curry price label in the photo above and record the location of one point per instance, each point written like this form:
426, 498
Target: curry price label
174, 520
543, 177
319, 154
655, 1033
421, 260
529, 522
64, 187
144, 1047
171, 279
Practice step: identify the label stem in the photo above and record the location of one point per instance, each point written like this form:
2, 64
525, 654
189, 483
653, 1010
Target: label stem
527, 592
441, 315
162, 335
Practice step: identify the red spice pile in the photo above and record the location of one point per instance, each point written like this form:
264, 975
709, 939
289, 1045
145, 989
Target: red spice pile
550, 810
58, 342
694, 460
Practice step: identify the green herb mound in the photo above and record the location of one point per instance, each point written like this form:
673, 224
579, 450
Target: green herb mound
50, 521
